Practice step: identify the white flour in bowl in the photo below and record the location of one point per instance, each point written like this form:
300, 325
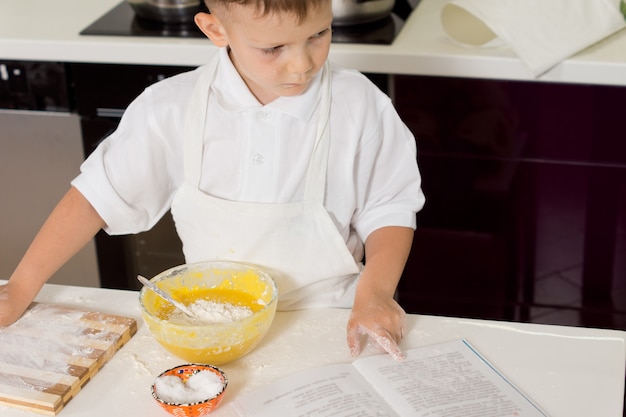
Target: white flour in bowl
211, 312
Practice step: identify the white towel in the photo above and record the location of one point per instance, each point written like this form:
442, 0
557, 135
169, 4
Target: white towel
541, 33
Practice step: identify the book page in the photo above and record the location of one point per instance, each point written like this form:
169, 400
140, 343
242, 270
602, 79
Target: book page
329, 391
445, 380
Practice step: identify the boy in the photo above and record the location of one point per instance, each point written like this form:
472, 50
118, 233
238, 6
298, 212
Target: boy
265, 155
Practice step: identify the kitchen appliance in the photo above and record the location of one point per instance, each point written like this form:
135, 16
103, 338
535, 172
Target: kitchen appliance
345, 12
168, 11
353, 12
122, 20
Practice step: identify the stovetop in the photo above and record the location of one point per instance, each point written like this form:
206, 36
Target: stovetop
122, 21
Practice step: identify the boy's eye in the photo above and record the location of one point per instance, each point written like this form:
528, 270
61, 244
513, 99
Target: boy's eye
277, 49
272, 50
322, 33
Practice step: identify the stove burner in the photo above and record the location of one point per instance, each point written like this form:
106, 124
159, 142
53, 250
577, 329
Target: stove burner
146, 27
122, 21
381, 31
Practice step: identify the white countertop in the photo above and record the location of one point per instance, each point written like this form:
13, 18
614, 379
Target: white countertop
49, 31
568, 371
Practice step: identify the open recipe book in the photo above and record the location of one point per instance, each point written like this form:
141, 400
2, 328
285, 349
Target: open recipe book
450, 379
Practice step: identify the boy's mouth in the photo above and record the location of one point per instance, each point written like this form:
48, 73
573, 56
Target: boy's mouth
301, 83
293, 85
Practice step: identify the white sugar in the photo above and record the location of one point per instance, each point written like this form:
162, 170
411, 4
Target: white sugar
200, 386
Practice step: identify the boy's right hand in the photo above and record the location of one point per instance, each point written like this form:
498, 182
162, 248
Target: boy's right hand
11, 305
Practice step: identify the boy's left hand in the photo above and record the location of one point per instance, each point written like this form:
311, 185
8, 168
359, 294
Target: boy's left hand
375, 312
380, 318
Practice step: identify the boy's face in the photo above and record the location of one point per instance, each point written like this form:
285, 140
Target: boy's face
276, 55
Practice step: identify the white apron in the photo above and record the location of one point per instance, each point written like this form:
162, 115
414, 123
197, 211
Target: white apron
298, 242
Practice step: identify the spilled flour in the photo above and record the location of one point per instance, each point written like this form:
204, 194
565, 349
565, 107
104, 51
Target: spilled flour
39, 341
53, 345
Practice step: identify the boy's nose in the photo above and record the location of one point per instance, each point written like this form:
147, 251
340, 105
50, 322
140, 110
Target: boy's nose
300, 63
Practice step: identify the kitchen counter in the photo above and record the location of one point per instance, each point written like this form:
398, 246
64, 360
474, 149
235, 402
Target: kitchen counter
568, 371
49, 31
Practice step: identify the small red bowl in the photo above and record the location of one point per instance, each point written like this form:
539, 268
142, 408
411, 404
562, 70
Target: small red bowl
196, 409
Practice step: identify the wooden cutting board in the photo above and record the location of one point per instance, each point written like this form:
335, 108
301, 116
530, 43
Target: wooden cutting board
49, 354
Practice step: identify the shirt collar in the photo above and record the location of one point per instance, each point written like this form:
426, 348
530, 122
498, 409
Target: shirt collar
233, 93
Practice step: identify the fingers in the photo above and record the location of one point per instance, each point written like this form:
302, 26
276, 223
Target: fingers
354, 339
387, 343
4, 307
382, 337
10, 306
384, 324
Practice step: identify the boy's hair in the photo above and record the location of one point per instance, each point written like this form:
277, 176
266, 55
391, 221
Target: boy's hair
299, 8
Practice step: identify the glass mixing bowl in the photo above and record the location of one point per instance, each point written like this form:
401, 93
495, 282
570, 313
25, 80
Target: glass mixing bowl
197, 341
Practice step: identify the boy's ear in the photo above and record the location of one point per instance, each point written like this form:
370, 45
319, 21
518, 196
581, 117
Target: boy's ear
211, 26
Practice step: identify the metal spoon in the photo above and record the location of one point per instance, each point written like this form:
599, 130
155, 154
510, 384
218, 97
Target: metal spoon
166, 296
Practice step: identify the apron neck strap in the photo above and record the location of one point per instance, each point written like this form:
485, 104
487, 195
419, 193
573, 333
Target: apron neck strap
315, 186
195, 123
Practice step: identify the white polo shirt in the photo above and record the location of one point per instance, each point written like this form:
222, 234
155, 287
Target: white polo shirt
258, 153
